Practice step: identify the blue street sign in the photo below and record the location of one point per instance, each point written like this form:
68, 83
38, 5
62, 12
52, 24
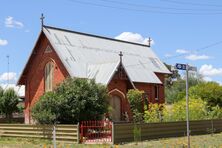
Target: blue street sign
181, 66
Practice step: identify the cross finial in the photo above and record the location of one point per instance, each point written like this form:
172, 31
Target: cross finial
120, 55
42, 20
149, 41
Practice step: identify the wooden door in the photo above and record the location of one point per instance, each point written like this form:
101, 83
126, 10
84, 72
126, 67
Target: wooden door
115, 103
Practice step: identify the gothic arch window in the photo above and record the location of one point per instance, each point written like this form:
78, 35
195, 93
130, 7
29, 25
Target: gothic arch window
49, 70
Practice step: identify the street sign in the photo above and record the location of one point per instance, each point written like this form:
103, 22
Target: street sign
184, 67
181, 66
192, 68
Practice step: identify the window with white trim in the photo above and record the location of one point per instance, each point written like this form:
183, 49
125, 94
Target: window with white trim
49, 70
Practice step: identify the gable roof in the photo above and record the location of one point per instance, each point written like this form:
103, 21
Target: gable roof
91, 56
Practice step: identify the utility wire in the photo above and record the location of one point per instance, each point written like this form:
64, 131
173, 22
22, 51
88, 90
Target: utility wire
156, 7
196, 50
144, 10
191, 3
176, 56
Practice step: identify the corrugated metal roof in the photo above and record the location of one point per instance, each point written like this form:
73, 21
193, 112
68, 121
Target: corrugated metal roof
102, 73
90, 56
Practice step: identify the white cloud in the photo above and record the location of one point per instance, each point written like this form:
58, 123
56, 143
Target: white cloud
209, 70
3, 42
133, 37
194, 57
182, 51
12, 23
8, 76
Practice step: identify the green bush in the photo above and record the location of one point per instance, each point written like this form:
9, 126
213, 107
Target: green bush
211, 92
72, 101
197, 110
157, 113
47, 109
135, 98
215, 113
153, 113
8, 102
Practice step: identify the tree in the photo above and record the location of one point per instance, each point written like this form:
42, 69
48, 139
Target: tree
8, 102
73, 100
136, 104
211, 92
47, 109
176, 91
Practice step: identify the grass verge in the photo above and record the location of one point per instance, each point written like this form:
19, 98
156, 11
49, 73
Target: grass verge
201, 141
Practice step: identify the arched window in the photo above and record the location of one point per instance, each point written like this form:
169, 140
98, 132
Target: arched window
49, 69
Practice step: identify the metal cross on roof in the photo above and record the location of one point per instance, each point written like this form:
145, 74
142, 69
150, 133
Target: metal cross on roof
149, 41
42, 20
120, 55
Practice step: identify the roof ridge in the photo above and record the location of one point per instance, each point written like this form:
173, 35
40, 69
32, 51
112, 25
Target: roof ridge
93, 35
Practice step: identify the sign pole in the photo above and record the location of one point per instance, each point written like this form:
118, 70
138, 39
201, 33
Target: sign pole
188, 68
187, 106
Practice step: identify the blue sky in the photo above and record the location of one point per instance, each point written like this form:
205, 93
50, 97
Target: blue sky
177, 27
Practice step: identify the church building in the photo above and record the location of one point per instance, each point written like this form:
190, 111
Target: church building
120, 65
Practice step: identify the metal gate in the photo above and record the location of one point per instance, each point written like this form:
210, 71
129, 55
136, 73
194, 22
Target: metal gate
96, 131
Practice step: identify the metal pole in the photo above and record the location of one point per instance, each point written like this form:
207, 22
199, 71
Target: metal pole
7, 69
54, 136
187, 106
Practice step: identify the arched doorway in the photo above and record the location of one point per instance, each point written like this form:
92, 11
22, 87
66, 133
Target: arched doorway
115, 103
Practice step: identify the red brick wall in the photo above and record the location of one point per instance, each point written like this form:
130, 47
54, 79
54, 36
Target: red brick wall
161, 87
150, 89
35, 74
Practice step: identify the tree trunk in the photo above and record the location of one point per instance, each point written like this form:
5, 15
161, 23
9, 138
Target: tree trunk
8, 117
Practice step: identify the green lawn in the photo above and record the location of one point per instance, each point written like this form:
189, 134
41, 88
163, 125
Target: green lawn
202, 141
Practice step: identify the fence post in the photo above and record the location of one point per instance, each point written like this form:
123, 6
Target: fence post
81, 135
113, 137
54, 135
78, 133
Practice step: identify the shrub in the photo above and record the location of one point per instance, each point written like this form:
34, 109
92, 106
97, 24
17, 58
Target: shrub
156, 113
74, 100
215, 113
197, 110
136, 104
47, 109
211, 92
153, 113
8, 102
